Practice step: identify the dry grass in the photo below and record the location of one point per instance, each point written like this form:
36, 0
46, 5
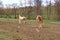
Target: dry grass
10, 31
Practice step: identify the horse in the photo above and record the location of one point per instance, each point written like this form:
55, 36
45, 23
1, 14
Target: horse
40, 20
22, 19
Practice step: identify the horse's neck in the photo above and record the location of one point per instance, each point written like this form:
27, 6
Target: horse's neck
19, 16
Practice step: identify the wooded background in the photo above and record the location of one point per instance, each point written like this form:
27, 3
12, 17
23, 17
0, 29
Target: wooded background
49, 12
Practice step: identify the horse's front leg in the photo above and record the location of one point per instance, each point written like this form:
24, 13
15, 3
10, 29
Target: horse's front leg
19, 21
40, 25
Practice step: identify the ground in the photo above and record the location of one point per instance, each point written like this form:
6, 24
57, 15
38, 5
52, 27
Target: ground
15, 31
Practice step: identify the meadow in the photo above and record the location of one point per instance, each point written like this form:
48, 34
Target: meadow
28, 21
9, 28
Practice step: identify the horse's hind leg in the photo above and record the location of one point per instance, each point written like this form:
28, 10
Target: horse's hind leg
25, 21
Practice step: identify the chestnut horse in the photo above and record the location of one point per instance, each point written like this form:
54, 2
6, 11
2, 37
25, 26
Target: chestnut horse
40, 20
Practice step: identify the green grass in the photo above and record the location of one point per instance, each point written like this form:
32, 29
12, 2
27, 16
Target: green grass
4, 35
50, 21
45, 21
9, 20
28, 21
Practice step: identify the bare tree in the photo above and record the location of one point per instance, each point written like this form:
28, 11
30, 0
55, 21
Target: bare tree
14, 5
1, 4
38, 6
30, 5
57, 7
21, 7
48, 9
29, 9
1, 9
8, 10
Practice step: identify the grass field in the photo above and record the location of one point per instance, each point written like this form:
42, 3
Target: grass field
8, 30
28, 21
6, 35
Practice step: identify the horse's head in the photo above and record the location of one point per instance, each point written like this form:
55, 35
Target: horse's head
39, 18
